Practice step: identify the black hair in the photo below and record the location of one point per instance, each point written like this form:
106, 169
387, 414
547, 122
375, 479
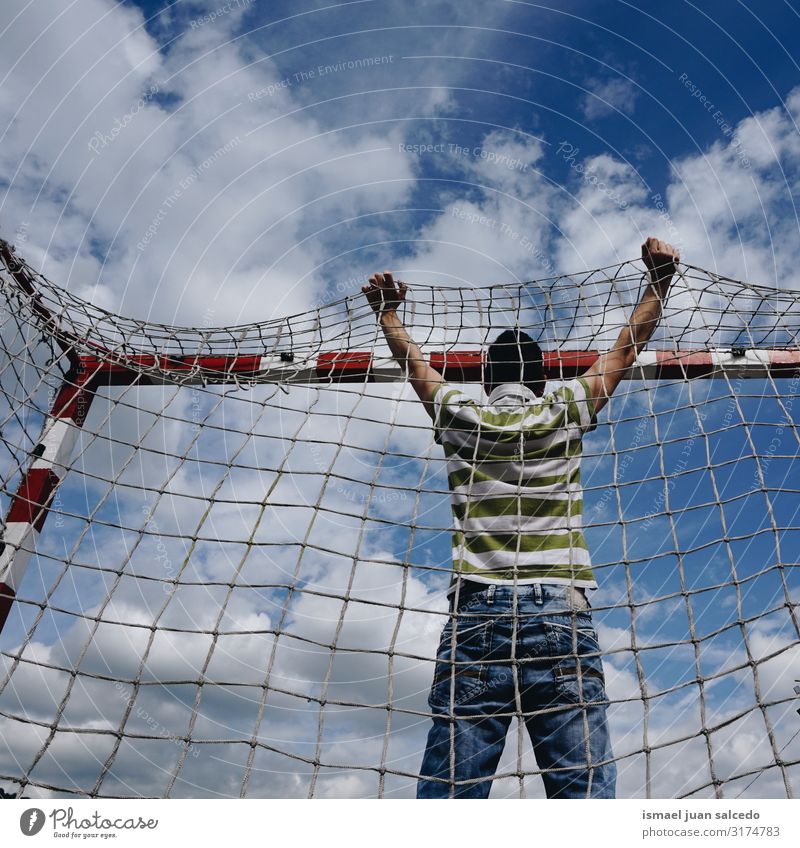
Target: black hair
514, 357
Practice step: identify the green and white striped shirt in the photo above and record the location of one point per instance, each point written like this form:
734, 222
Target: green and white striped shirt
514, 473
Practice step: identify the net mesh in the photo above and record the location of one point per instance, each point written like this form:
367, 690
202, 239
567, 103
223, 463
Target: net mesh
241, 583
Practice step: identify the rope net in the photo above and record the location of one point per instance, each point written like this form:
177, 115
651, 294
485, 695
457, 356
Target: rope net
241, 582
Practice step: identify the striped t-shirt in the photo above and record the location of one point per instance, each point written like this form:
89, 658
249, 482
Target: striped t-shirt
514, 473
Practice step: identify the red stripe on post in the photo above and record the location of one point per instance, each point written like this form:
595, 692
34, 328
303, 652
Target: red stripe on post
345, 366
124, 371
461, 366
73, 402
467, 365
7, 596
30, 503
223, 364
567, 363
784, 363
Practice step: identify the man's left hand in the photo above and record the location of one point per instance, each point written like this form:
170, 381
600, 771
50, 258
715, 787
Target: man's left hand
383, 293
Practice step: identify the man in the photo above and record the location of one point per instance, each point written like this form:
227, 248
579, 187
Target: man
519, 639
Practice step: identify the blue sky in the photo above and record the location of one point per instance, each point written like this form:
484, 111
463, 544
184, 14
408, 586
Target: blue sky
605, 77
209, 164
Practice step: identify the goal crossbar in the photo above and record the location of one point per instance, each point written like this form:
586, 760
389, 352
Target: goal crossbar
50, 457
463, 366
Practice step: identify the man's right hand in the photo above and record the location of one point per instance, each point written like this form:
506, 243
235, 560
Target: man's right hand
384, 294
661, 260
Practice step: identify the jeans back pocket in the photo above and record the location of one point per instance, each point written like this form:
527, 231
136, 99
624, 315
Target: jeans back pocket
577, 667
462, 675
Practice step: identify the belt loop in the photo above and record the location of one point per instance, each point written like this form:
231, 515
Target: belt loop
537, 594
490, 594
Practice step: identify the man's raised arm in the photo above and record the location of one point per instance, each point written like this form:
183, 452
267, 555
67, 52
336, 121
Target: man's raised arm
604, 376
384, 296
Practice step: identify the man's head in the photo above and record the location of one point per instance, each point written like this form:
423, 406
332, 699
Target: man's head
514, 357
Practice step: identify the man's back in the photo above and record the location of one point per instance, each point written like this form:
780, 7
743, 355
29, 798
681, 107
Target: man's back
514, 473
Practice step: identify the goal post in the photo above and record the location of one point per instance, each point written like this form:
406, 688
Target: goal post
252, 522
50, 457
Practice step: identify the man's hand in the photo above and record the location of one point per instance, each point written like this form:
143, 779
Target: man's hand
604, 376
383, 294
661, 260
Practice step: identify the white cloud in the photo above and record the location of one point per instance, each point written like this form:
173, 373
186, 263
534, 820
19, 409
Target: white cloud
216, 227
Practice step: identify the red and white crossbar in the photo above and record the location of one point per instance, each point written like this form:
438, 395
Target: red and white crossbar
51, 456
354, 366
467, 365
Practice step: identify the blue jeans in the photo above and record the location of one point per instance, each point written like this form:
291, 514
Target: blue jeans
553, 679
